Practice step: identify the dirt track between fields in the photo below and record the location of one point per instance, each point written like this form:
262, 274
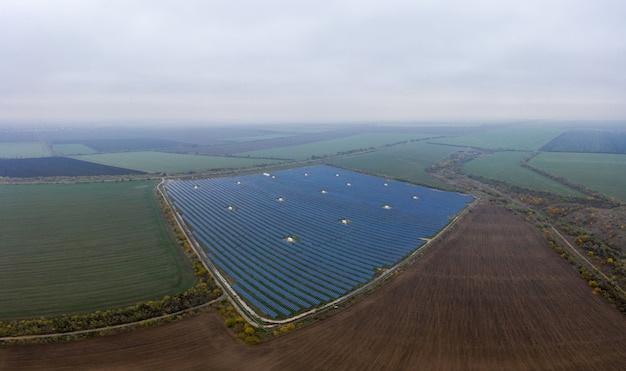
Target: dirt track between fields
489, 295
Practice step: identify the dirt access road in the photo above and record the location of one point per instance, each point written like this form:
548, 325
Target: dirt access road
490, 295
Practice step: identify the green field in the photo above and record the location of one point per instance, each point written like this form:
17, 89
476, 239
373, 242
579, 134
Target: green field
589, 141
602, 172
407, 161
73, 149
519, 138
22, 150
333, 146
258, 137
84, 247
170, 163
504, 166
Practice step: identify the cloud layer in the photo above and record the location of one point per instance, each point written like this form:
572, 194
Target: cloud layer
342, 60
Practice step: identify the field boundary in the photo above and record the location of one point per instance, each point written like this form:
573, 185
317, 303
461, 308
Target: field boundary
525, 163
108, 328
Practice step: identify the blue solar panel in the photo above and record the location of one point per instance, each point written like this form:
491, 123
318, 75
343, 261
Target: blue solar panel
344, 226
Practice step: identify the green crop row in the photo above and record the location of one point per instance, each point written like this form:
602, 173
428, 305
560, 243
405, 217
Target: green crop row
505, 167
601, 172
333, 146
521, 137
589, 141
171, 163
408, 161
75, 248
258, 137
23, 150
73, 149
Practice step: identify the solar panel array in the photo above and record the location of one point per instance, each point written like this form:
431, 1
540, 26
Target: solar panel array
291, 240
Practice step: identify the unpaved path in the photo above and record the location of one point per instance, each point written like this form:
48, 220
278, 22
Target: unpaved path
109, 328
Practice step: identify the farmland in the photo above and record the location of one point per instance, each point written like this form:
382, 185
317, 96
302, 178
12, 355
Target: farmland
73, 149
22, 150
123, 144
84, 247
57, 166
487, 294
588, 141
601, 172
343, 226
333, 146
171, 163
293, 137
505, 167
258, 137
491, 295
527, 137
408, 162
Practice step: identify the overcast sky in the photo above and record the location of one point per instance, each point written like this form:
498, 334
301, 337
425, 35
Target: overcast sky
308, 61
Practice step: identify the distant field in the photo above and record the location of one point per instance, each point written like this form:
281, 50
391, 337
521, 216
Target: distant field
605, 173
520, 138
258, 137
23, 150
73, 149
84, 247
171, 163
126, 144
332, 146
593, 141
504, 166
407, 161
57, 166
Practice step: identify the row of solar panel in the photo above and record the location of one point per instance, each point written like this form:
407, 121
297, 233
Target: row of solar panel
327, 258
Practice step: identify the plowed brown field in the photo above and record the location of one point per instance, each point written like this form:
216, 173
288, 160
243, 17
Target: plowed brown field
491, 295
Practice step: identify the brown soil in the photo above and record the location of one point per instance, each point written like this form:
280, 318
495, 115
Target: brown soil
490, 295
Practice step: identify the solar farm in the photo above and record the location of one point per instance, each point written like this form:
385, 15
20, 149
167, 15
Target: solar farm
295, 239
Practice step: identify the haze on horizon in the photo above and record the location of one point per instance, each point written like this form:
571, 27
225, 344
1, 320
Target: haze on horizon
312, 61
